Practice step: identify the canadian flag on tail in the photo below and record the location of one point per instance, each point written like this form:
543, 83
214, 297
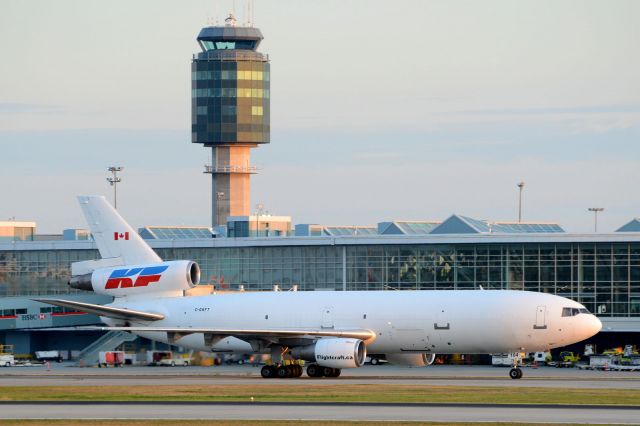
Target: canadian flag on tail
120, 236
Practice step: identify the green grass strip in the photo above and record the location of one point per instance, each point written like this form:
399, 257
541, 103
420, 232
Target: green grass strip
272, 392
247, 423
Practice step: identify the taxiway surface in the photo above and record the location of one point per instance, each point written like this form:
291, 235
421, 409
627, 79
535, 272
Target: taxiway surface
307, 411
437, 375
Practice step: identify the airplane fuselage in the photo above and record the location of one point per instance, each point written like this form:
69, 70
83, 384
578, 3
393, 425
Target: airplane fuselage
439, 322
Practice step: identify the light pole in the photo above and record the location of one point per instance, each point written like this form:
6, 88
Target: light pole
259, 209
595, 211
113, 181
521, 186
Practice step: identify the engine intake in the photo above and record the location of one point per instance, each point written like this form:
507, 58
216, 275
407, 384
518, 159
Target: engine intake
334, 352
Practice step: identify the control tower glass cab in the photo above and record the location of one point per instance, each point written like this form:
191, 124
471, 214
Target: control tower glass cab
230, 111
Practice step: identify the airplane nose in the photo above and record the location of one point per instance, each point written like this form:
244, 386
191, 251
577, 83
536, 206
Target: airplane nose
592, 326
597, 325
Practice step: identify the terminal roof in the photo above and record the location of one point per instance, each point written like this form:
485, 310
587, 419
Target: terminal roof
457, 224
174, 232
632, 226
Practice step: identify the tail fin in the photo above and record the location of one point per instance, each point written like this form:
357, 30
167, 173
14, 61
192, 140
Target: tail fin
114, 237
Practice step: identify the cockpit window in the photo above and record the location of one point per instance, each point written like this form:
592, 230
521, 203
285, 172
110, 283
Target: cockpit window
572, 312
584, 311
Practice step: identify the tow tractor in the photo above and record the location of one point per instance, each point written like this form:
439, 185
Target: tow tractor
567, 359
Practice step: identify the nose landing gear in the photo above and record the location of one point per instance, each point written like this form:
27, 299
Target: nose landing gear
515, 372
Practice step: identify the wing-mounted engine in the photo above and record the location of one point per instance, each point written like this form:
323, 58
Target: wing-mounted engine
411, 360
333, 352
166, 278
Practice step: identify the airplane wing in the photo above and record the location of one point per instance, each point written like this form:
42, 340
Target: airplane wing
267, 333
175, 333
104, 311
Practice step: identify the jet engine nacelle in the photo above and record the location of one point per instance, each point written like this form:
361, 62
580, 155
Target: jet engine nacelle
165, 277
333, 352
411, 360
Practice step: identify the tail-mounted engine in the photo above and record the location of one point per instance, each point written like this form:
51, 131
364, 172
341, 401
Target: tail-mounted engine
333, 352
165, 277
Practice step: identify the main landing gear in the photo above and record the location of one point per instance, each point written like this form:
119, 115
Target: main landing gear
314, 370
296, 370
281, 371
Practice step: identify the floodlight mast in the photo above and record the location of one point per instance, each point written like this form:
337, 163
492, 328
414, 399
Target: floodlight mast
259, 211
595, 211
113, 181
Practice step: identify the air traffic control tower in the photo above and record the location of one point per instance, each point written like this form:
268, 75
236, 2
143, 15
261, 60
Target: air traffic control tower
230, 111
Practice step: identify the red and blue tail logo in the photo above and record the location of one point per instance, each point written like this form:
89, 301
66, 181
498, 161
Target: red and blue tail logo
124, 278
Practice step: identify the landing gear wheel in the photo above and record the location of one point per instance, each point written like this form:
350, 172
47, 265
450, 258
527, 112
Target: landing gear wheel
314, 371
267, 372
336, 372
515, 373
284, 372
298, 371
327, 371
374, 361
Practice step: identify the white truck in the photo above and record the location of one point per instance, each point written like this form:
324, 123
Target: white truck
6, 356
49, 356
166, 359
7, 360
506, 360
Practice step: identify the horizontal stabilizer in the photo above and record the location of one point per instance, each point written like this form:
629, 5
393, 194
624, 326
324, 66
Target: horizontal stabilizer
244, 333
104, 311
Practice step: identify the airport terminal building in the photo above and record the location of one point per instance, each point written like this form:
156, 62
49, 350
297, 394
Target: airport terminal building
602, 271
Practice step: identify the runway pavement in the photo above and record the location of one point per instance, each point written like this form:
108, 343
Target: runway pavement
441, 375
320, 411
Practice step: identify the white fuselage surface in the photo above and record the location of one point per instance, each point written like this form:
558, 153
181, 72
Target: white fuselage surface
439, 322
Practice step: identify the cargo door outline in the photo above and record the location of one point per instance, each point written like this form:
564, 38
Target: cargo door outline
327, 317
541, 318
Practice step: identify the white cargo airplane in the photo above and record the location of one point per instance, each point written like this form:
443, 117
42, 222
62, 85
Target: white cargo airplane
332, 330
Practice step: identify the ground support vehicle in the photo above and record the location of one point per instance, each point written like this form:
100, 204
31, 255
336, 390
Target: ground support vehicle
49, 356
542, 358
7, 360
166, 359
6, 356
567, 360
113, 358
506, 360
597, 362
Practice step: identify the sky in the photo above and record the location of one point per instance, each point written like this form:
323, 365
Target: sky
408, 110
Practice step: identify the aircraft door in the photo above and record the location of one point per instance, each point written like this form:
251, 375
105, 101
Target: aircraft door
541, 318
327, 317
